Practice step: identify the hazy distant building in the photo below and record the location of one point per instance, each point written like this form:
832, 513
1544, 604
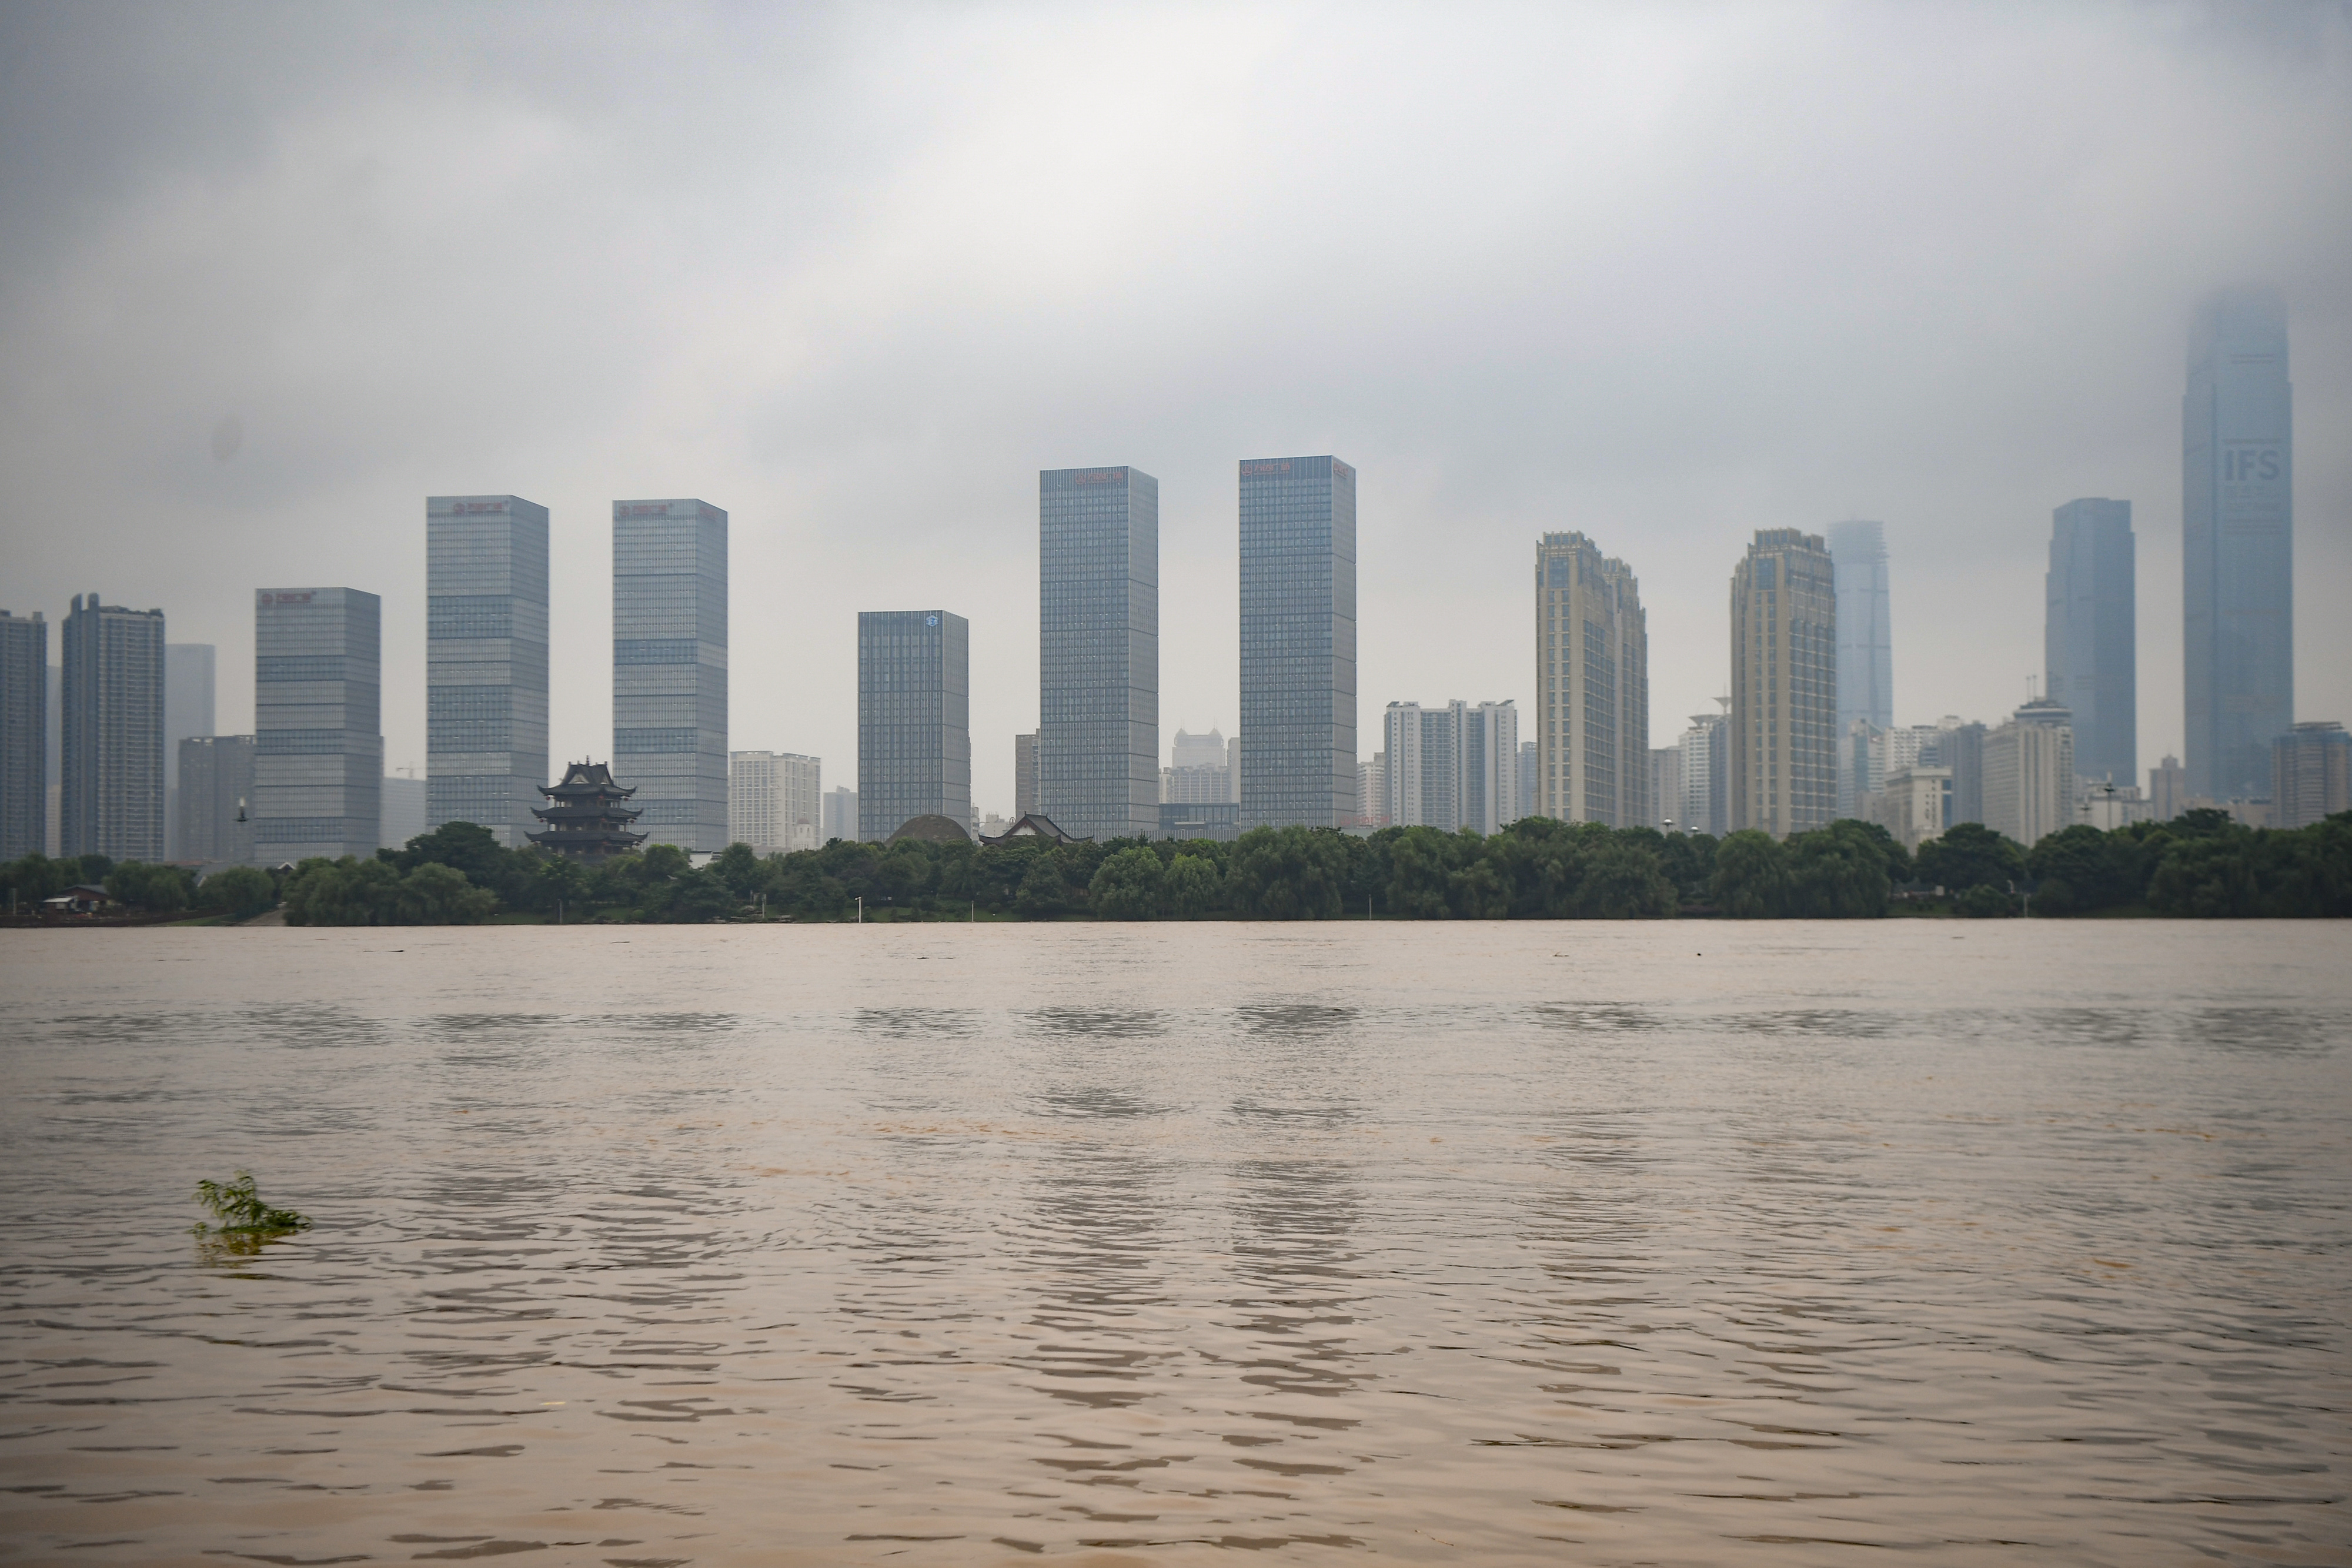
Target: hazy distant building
775, 802
23, 735
1960, 748
486, 634
54, 736
2167, 790
112, 801
215, 789
1592, 687
1865, 642
1098, 651
2237, 526
1531, 770
1297, 642
1862, 765
1784, 699
1914, 805
1454, 766
188, 690
2030, 790
1666, 787
318, 733
2311, 774
1197, 772
1024, 775
914, 719
670, 668
2090, 642
1707, 775
1372, 792
403, 807
840, 815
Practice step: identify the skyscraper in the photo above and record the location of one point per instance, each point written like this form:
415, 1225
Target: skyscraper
1196, 770
1098, 651
318, 736
670, 668
1784, 699
1707, 775
24, 734
1453, 767
113, 802
2237, 538
2090, 644
485, 662
914, 719
1024, 775
1298, 731
188, 690
2311, 774
1865, 645
2030, 790
216, 783
1592, 687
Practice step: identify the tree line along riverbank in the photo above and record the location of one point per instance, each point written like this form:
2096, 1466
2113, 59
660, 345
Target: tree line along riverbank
2198, 865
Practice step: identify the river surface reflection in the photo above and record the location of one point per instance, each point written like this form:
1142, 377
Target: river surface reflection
1690, 1243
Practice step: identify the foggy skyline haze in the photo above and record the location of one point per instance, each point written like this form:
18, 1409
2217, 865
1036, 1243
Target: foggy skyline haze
275, 274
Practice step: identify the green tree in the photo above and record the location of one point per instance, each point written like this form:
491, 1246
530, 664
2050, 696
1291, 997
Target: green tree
158, 889
1986, 902
244, 891
1841, 872
2208, 879
436, 895
743, 872
1421, 863
1752, 876
1192, 886
36, 877
1043, 893
1622, 881
1288, 873
1969, 854
2079, 867
1127, 886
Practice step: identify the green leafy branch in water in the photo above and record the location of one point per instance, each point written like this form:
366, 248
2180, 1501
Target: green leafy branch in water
246, 1222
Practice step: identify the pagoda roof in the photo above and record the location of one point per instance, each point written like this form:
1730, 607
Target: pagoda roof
1033, 825
589, 778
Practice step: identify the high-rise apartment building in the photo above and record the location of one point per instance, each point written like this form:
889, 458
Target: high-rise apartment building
215, 789
189, 671
1530, 769
112, 800
670, 668
1025, 776
1454, 766
1196, 770
1866, 646
1592, 687
1372, 792
2311, 774
914, 719
775, 802
2237, 536
1297, 642
2030, 786
1666, 787
486, 662
23, 735
1098, 651
1784, 700
317, 730
2090, 638
1706, 774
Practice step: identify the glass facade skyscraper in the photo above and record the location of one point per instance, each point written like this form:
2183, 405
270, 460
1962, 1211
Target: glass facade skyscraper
1865, 644
318, 732
670, 668
2237, 540
24, 734
1297, 642
111, 802
485, 662
2090, 644
1098, 651
914, 719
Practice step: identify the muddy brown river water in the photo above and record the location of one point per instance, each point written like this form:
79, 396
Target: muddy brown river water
1685, 1243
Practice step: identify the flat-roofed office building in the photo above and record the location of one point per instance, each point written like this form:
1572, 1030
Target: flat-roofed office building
2090, 640
485, 662
670, 668
1784, 703
23, 735
189, 682
914, 719
318, 727
215, 789
1865, 645
1592, 687
2237, 542
2311, 774
1098, 651
111, 708
1297, 642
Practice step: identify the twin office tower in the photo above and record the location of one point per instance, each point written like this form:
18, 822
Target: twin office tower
1099, 663
486, 664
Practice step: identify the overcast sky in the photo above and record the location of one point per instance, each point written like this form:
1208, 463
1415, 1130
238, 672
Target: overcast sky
1665, 274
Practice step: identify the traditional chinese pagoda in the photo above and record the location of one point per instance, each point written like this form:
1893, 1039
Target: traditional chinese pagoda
585, 815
